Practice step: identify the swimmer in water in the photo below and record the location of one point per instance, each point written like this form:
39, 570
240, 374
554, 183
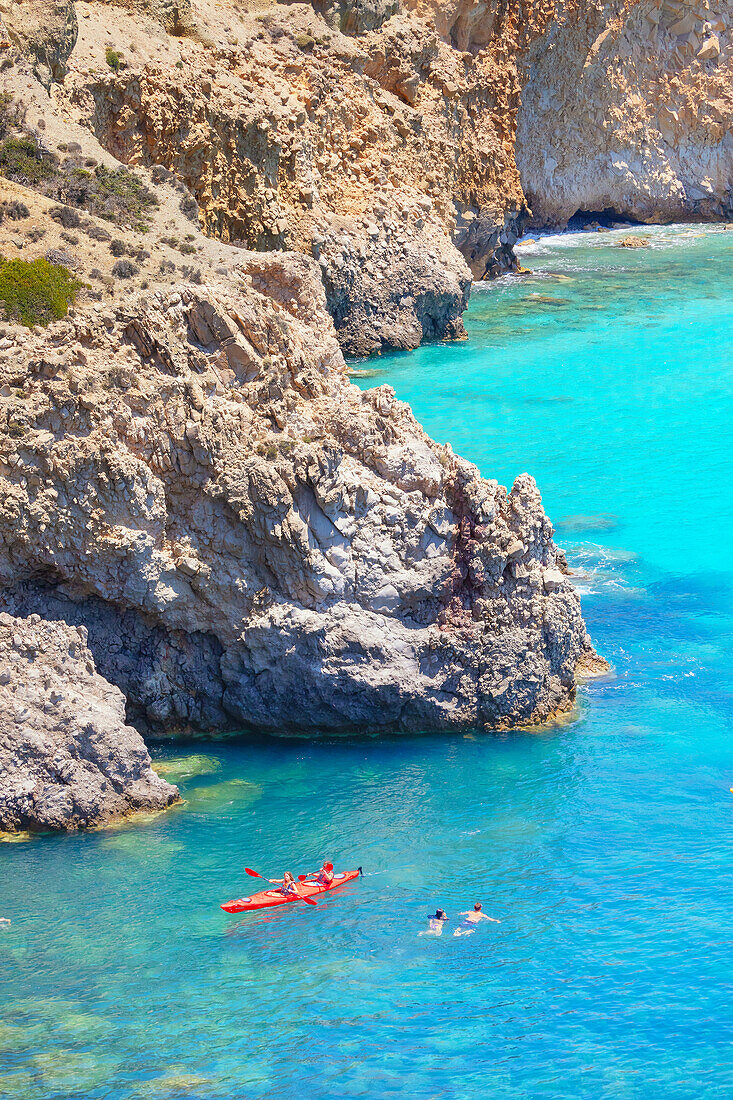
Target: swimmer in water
471, 919
435, 928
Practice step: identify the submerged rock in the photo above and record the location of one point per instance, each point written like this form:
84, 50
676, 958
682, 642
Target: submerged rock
67, 759
187, 767
252, 542
219, 796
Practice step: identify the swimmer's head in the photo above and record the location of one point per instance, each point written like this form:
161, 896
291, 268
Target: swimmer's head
440, 914
477, 907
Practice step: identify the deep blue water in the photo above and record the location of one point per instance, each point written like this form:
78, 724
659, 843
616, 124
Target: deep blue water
602, 844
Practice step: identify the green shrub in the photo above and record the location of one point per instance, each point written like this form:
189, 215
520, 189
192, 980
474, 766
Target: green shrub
115, 194
37, 292
22, 160
113, 59
12, 114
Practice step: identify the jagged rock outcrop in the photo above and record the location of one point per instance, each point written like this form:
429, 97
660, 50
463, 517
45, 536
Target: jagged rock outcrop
355, 16
67, 759
388, 288
252, 541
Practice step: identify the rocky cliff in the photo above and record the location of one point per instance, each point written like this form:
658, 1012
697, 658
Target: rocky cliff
237, 193
251, 541
401, 143
383, 155
627, 107
67, 759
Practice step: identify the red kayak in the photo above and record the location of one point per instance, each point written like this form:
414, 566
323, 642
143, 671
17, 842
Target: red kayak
267, 898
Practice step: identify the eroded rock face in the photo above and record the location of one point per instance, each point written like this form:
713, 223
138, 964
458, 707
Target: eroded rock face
628, 107
401, 145
386, 288
45, 30
385, 156
67, 759
355, 16
193, 472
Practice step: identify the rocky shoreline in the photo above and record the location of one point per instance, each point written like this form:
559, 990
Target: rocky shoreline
201, 520
251, 542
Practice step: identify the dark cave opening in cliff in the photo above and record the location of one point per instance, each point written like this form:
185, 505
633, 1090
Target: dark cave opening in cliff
607, 219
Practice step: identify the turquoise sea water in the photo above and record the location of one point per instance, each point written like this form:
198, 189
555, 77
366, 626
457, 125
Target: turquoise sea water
603, 845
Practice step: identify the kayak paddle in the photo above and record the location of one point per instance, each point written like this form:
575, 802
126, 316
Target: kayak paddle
301, 897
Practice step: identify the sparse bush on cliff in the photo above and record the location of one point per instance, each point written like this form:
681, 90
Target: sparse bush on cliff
113, 59
14, 210
5, 104
61, 259
22, 160
191, 274
115, 194
189, 207
66, 216
124, 269
96, 232
12, 114
36, 293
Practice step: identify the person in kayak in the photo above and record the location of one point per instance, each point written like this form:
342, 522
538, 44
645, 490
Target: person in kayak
288, 885
324, 877
435, 927
471, 919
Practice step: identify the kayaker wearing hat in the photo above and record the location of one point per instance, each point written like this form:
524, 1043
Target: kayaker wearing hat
435, 927
287, 884
325, 875
471, 919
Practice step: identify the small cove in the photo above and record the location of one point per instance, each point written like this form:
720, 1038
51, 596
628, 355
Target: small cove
602, 843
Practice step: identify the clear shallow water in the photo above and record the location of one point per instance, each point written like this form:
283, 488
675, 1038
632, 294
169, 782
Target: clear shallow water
603, 845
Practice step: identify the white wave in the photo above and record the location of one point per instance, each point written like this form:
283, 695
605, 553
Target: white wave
659, 236
595, 568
